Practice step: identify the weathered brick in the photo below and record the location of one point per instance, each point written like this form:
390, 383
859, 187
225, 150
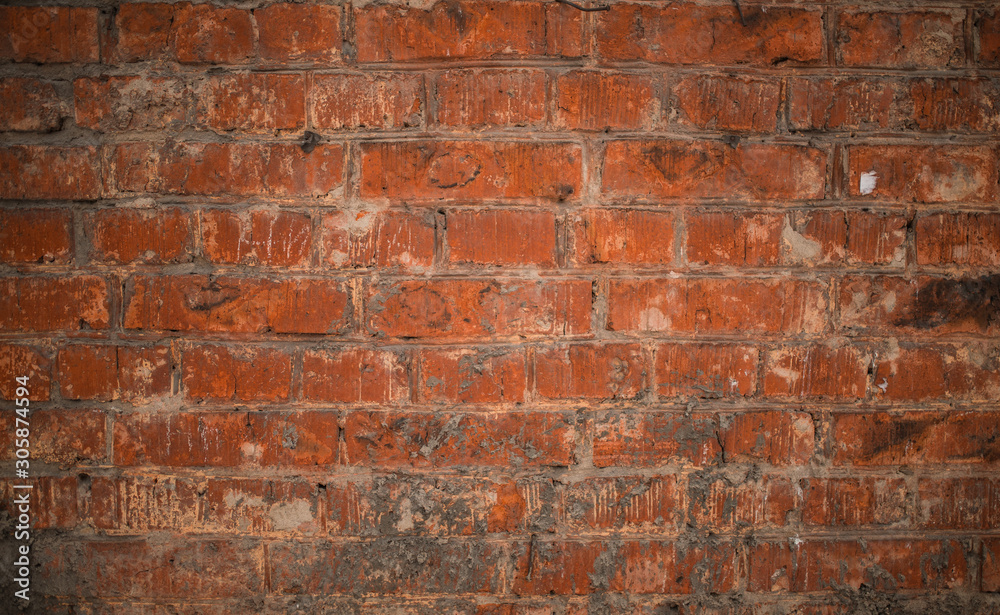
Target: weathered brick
256, 237
235, 305
355, 375
916, 438
369, 101
704, 169
693, 304
623, 236
491, 97
472, 375
65, 437
719, 503
203, 33
30, 105
21, 360
223, 373
240, 169
912, 373
816, 372
126, 236
923, 304
915, 39
684, 33
502, 237
705, 370
606, 371
816, 565
54, 304
958, 238
105, 373
143, 32
44, 35
853, 501
653, 439
120, 103
958, 503
734, 238
447, 440
299, 32
923, 174
227, 439
728, 103
252, 102
53, 501
591, 100
987, 27
462, 308
844, 238
36, 235
991, 565
436, 170
48, 172
480, 29
378, 239
778, 438
624, 503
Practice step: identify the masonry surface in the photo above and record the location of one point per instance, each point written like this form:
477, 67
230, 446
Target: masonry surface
504, 308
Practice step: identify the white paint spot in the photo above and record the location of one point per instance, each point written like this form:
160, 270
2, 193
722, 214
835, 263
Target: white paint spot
883, 385
868, 181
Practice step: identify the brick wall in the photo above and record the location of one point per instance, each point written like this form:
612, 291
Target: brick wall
500, 307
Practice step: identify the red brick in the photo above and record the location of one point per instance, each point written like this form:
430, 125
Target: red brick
624, 503
52, 34
472, 375
853, 501
206, 34
140, 568
719, 504
955, 104
759, 306
914, 373
299, 32
223, 373
235, 305
607, 371
916, 438
502, 237
367, 101
815, 565
106, 373
119, 103
924, 174
45, 172
255, 505
436, 170
253, 102
931, 39
590, 100
987, 29
36, 236
226, 439
241, 169
446, 440
65, 437
924, 305
959, 503
18, 361
462, 308
626, 236
692, 34
54, 304
136, 504
479, 98
257, 237
734, 238
378, 239
958, 238
53, 501
30, 105
126, 236
466, 30
778, 438
844, 238
642, 439
684, 169
143, 32
991, 565
728, 103
705, 370
355, 375
822, 372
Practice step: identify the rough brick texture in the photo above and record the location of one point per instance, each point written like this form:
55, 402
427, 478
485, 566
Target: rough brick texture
498, 307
